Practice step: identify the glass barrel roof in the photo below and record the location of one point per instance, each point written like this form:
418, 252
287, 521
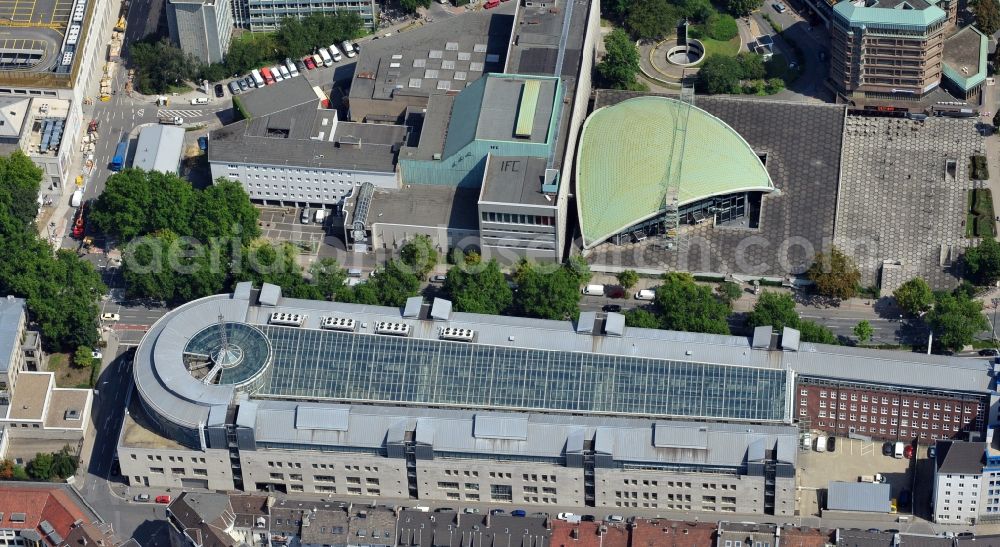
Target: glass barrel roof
329, 364
244, 355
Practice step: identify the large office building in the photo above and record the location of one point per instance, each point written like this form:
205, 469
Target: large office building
266, 15
260, 392
202, 28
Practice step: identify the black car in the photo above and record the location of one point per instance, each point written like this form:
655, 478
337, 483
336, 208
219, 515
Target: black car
989, 352
831, 444
220, 91
613, 308
887, 449
588, 518
356, 47
300, 65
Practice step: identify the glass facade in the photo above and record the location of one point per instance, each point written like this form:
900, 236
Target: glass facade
241, 363
348, 366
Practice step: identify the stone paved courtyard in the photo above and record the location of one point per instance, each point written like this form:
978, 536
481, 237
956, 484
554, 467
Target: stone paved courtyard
899, 201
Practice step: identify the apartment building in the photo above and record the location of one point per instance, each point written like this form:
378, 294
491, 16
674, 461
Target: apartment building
958, 478
202, 28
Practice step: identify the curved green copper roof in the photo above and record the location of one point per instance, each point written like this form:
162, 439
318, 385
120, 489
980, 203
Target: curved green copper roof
624, 157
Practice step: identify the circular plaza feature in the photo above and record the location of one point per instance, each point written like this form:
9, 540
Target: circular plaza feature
685, 55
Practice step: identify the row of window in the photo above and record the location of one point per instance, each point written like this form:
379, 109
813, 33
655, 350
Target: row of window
883, 431
512, 218
180, 459
179, 471
895, 401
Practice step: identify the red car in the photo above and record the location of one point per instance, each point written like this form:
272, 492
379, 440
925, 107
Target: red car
308, 60
908, 452
491, 4
163, 499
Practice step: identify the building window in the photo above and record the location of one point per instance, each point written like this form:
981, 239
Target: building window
501, 492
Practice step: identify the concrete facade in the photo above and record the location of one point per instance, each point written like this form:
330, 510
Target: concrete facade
202, 28
292, 185
265, 15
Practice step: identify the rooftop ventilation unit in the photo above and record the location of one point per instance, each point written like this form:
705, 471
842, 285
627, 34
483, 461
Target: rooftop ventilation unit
458, 334
289, 319
393, 329
338, 323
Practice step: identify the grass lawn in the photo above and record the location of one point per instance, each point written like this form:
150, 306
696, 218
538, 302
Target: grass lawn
729, 48
68, 375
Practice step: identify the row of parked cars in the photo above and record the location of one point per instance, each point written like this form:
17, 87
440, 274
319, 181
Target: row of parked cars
324, 57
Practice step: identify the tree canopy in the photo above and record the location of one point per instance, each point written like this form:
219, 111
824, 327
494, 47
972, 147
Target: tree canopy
412, 5
546, 293
642, 318
914, 297
864, 331
621, 62
743, 8
719, 74
982, 261
686, 306
987, 17
476, 287
774, 309
628, 278
420, 255
651, 19
955, 320
835, 274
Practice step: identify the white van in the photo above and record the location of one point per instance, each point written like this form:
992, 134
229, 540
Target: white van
335, 53
76, 199
318, 60
306, 215
284, 72
320, 216
898, 450
292, 69
276, 73
327, 59
645, 294
593, 290
348, 48
199, 100
257, 78
821, 443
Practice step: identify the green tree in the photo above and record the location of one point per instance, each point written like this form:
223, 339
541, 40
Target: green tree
328, 277
292, 36
687, 306
987, 17
719, 74
21, 180
730, 291
641, 318
40, 468
982, 262
420, 255
548, 295
160, 65
722, 27
628, 279
955, 320
476, 288
697, 11
614, 9
914, 297
621, 62
864, 331
751, 66
64, 464
20, 473
577, 265
743, 8
251, 50
83, 357
223, 210
651, 19
835, 275
773, 85
6, 469
816, 333
394, 284
774, 309
137, 202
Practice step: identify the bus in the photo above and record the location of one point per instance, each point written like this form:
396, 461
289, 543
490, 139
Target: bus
120, 153
268, 77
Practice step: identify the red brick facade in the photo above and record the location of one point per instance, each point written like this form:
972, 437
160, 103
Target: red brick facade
886, 413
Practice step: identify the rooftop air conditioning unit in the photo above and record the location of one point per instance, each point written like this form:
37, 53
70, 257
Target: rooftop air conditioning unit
338, 323
392, 329
287, 319
457, 334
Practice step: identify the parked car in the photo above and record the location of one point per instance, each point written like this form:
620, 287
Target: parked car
518, 513
301, 65
887, 448
612, 308
614, 291
141, 498
220, 91
110, 317
931, 452
497, 511
989, 352
588, 518
444, 510
251, 84
96, 354
471, 511
831, 444
199, 100
308, 60
779, 7
438, 278
241, 84
233, 88
616, 518
908, 452
163, 499
203, 143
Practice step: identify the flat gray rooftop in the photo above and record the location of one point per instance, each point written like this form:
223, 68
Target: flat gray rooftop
515, 180
899, 201
280, 96
503, 101
434, 58
304, 136
961, 50
427, 205
802, 144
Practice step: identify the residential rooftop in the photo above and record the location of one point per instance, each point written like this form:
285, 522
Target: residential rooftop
12, 313
965, 58
960, 458
31, 393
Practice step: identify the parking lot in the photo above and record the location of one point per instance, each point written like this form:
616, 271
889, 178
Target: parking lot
852, 459
283, 224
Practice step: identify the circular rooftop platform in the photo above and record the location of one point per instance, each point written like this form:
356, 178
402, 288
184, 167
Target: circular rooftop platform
238, 359
629, 153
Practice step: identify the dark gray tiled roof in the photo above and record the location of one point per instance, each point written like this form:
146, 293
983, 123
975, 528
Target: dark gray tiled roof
515, 180
960, 458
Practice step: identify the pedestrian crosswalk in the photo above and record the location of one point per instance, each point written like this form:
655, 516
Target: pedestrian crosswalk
183, 113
